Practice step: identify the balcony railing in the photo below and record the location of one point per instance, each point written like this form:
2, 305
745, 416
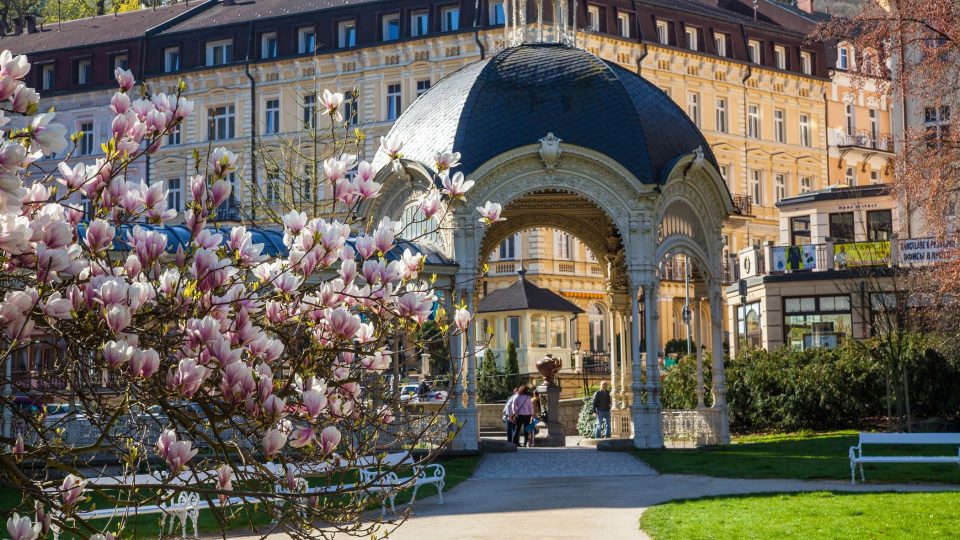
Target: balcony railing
862, 139
229, 211
743, 204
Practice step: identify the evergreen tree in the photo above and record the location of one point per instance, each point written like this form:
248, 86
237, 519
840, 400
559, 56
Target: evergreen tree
587, 422
490, 385
513, 366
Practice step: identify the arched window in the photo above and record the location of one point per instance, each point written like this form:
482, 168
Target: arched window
415, 227
558, 332
598, 330
538, 329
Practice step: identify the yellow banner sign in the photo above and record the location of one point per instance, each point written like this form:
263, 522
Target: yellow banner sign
861, 254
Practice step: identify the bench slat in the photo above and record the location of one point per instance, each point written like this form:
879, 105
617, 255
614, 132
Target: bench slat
908, 459
910, 438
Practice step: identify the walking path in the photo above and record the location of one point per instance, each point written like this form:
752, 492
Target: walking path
577, 494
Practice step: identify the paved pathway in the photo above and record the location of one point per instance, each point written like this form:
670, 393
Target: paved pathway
577, 494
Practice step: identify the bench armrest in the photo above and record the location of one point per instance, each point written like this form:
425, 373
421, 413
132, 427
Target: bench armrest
433, 470
856, 452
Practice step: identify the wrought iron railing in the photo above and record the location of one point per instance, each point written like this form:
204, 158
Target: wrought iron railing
743, 204
863, 139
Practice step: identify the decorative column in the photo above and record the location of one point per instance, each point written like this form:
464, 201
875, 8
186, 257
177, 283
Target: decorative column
719, 378
638, 410
456, 357
699, 345
611, 348
655, 436
625, 353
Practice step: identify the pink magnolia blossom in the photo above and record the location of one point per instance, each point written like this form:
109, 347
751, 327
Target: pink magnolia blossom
430, 205
56, 307
50, 137
462, 319
273, 407
124, 78
331, 104
224, 481
314, 401
446, 160
386, 414
120, 103
18, 447
144, 363
175, 453
99, 235
302, 437
386, 233
22, 528
117, 354
378, 361
343, 323
490, 213
71, 490
455, 186
187, 377
391, 147
416, 305
14, 67
329, 439
72, 178
223, 162
24, 98
273, 441
118, 318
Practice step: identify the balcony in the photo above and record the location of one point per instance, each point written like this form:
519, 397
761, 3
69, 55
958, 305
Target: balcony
861, 139
230, 211
743, 205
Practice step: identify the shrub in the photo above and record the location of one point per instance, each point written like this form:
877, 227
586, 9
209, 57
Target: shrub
587, 422
680, 383
513, 366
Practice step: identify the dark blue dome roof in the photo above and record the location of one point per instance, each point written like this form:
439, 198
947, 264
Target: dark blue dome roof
516, 97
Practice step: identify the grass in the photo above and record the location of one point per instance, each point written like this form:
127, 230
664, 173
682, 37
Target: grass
148, 526
804, 456
807, 515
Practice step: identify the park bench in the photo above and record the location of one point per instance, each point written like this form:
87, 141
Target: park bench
857, 457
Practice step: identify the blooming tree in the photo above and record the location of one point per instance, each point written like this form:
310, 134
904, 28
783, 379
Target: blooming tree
201, 369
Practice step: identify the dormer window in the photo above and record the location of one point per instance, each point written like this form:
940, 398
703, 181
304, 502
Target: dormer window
692, 34
806, 63
219, 52
450, 19
497, 14
47, 77
83, 71
780, 56
268, 45
391, 27
307, 40
120, 61
419, 23
720, 43
663, 32
171, 59
347, 34
593, 18
623, 24
843, 58
753, 48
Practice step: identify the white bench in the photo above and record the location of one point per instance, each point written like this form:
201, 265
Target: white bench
857, 458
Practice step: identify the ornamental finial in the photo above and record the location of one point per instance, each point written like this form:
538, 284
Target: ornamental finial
555, 22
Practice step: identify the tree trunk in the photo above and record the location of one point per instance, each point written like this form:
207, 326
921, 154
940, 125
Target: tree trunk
101, 7
906, 398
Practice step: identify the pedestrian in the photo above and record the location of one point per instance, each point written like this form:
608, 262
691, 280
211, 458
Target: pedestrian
423, 391
601, 409
521, 411
507, 421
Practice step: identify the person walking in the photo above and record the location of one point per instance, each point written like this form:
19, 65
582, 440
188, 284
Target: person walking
521, 411
601, 409
508, 425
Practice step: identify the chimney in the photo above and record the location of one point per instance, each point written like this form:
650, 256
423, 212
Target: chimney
17, 26
31, 24
805, 5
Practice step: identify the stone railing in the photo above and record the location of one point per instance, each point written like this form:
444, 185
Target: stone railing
691, 428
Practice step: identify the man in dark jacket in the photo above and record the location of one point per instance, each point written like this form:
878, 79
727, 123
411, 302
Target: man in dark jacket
601, 409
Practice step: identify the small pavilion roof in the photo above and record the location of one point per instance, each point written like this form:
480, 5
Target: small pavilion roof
525, 295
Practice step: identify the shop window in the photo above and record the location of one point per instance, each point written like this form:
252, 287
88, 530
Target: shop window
816, 321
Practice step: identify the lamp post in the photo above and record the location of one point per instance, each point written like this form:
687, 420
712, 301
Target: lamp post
577, 359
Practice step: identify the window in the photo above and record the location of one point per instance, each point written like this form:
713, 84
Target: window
693, 107
850, 176
349, 108
851, 118
800, 231
843, 58
173, 138
513, 330
305, 191
232, 204
84, 72
268, 45
753, 121
175, 194
309, 111
272, 190
422, 87
219, 52
538, 331
879, 226
812, 322
841, 227
558, 332
806, 63
805, 130
693, 38
394, 104
171, 59
450, 19
86, 142
48, 78
721, 115
508, 248
720, 43
753, 48
874, 128
86, 207
780, 186
936, 121
598, 333
120, 61
623, 24
563, 245
593, 18
391, 27
419, 23
220, 122
779, 125
725, 173
780, 57
748, 325
347, 34
806, 184
497, 15
272, 117
307, 40
663, 32
875, 177
756, 183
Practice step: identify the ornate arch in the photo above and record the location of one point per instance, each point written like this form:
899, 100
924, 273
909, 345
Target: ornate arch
588, 233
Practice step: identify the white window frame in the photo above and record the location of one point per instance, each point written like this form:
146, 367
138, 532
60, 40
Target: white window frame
272, 187
219, 52
498, 14
623, 24
309, 110
754, 130
780, 56
347, 34
229, 119
446, 25
174, 136
593, 18
84, 71
175, 194
394, 95
806, 184
850, 175
423, 86
507, 251
121, 61
693, 107
720, 43
756, 186
755, 51
875, 177
663, 32
806, 138
562, 246
780, 125
171, 59
692, 36
271, 117
87, 144
269, 45
388, 21
48, 76
306, 40
721, 115
843, 57
351, 114
419, 23
850, 119
780, 186
806, 63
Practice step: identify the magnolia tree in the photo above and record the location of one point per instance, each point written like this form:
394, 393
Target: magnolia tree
206, 369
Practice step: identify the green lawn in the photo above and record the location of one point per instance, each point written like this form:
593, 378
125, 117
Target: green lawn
148, 526
799, 455
807, 515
